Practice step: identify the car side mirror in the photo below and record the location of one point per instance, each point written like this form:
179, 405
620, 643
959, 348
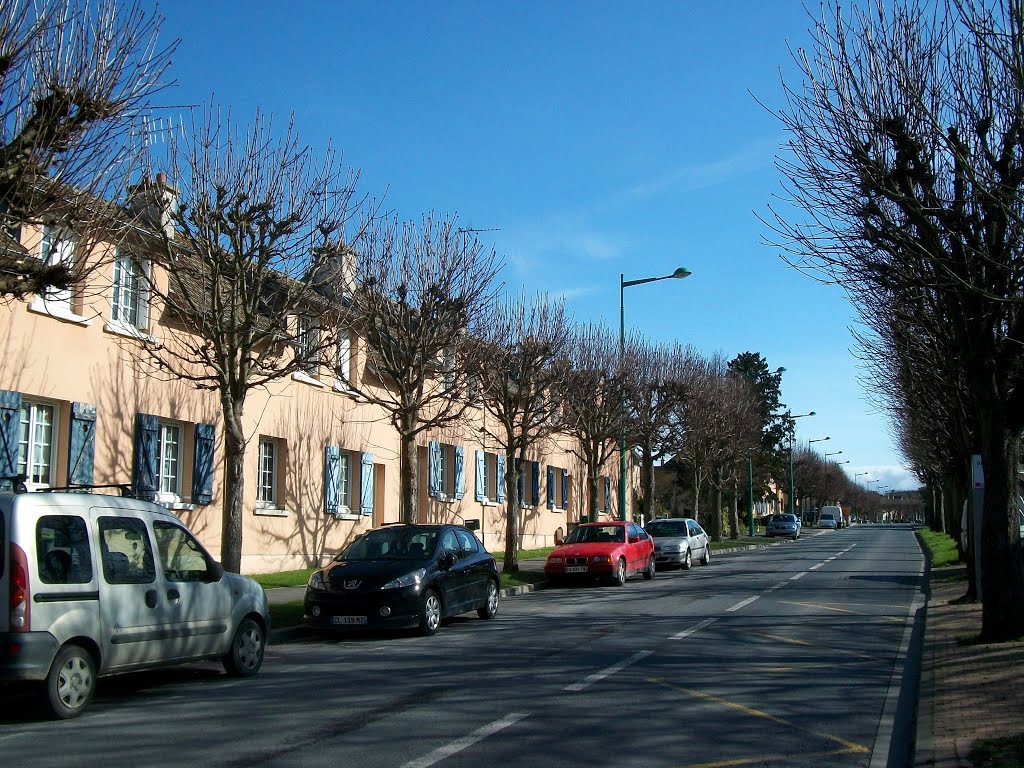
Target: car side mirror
446, 561
634, 539
215, 572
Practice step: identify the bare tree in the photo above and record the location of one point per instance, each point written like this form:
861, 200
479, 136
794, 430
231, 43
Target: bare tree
592, 394
251, 245
519, 371
74, 77
661, 378
907, 156
418, 288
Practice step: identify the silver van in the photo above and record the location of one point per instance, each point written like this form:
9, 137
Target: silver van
102, 584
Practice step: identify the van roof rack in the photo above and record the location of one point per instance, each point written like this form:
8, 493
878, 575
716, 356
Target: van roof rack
124, 488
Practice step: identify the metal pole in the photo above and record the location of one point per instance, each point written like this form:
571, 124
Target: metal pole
622, 402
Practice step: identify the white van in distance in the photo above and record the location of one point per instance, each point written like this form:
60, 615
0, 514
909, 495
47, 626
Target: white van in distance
99, 584
831, 517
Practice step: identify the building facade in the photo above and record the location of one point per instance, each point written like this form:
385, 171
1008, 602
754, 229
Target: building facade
79, 405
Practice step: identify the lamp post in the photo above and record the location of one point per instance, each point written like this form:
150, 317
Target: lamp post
856, 475
679, 274
836, 453
792, 436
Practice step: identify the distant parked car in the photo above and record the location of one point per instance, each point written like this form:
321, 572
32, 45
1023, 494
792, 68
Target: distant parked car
678, 541
609, 550
783, 525
404, 576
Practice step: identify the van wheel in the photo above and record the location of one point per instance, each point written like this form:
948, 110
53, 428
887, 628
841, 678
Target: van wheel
71, 682
246, 654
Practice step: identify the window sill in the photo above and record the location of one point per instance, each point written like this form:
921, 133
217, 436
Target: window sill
305, 378
58, 312
270, 512
129, 331
343, 388
351, 516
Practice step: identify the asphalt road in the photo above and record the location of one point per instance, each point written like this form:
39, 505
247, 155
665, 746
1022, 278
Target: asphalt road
798, 655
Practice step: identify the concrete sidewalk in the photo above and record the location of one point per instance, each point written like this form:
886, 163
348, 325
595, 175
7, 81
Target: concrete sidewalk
969, 691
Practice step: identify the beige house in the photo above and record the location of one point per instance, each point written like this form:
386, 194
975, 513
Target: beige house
78, 405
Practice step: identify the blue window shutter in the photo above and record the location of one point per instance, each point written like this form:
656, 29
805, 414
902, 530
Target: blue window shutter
460, 472
434, 468
551, 487
366, 484
481, 491
535, 485
147, 432
202, 465
607, 494
332, 460
565, 489
81, 444
10, 426
499, 478
520, 484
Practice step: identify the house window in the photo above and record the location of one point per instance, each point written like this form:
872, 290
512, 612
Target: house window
58, 247
486, 476
128, 304
168, 460
343, 365
447, 471
35, 442
345, 481
307, 342
266, 485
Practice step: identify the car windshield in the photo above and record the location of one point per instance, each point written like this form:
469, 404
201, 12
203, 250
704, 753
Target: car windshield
405, 542
596, 533
783, 518
666, 528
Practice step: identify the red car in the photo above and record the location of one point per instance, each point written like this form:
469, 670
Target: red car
609, 550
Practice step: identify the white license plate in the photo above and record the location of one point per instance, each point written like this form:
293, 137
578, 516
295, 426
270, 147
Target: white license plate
348, 620
576, 569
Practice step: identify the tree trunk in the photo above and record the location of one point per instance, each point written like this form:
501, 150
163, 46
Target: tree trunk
234, 487
696, 494
1002, 572
512, 471
646, 481
593, 501
716, 521
410, 459
735, 532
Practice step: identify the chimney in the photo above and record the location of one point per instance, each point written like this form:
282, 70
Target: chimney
154, 204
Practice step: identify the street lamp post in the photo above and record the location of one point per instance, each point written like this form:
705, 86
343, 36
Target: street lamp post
679, 274
856, 475
836, 453
792, 436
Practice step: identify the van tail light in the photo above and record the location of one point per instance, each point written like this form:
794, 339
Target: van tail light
20, 617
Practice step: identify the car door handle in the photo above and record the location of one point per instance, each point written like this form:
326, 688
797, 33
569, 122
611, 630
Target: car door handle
173, 596
151, 598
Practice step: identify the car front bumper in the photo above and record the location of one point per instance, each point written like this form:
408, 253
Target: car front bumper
391, 609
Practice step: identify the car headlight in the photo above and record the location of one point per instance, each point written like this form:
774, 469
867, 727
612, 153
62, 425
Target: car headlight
409, 580
316, 582
601, 559
556, 560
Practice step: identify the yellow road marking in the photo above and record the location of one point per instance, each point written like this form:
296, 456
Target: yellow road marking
763, 759
844, 610
848, 746
804, 643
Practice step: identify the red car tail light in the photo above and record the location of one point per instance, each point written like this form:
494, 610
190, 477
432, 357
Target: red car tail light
20, 619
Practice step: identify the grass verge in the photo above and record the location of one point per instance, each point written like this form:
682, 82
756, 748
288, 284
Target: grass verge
1006, 752
940, 547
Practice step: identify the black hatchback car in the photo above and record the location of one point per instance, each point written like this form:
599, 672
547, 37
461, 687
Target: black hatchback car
402, 576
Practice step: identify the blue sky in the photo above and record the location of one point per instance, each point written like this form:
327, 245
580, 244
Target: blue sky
596, 139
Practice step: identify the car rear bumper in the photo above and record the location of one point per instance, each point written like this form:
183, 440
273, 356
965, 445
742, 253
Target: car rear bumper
26, 655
